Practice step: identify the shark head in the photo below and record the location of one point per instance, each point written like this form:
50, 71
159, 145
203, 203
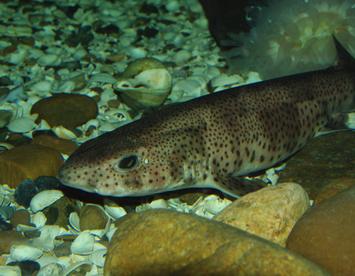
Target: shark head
121, 163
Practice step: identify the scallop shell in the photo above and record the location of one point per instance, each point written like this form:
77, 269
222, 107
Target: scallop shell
113, 210
21, 125
22, 252
83, 244
145, 83
44, 199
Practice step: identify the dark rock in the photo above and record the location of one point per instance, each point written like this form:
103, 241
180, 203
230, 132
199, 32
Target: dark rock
28, 268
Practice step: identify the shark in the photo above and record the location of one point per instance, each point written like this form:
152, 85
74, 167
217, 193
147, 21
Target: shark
214, 141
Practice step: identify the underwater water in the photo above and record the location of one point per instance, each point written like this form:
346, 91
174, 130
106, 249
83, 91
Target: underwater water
185, 173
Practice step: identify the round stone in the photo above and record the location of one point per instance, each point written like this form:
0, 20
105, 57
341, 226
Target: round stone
67, 110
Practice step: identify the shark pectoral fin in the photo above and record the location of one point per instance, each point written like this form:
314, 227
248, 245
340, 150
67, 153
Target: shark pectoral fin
339, 122
237, 186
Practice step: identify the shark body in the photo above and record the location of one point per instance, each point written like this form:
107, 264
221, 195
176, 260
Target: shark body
213, 140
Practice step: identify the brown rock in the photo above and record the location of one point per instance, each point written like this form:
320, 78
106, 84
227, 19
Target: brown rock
58, 213
59, 144
68, 110
7, 239
326, 234
323, 159
334, 187
269, 213
20, 217
163, 242
28, 161
92, 217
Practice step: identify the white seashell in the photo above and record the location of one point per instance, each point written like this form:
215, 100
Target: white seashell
42, 87
182, 57
115, 212
22, 252
187, 89
21, 125
25, 228
158, 203
64, 133
5, 146
46, 240
74, 221
111, 232
74, 266
39, 219
172, 6
253, 77
49, 60
103, 78
224, 81
44, 199
210, 206
10, 270
53, 269
136, 53
83, 244
98, 257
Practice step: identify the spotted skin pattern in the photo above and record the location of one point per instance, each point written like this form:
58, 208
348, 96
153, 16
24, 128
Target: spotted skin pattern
212, 140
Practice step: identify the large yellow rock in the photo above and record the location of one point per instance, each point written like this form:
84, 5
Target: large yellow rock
28, 161
163, 242
269, 213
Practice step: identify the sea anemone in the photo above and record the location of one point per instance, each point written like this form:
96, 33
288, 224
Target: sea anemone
292, 36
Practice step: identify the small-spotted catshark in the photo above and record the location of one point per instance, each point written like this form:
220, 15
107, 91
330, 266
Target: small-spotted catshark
214, 140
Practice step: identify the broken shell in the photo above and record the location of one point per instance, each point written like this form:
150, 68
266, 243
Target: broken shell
51, 269
74, 222
83, 244
44, 199
145, 83
10, 270
63, 133
39, 219
98, 257
5, 146
21, 125
72, 268
22, 252
113, 210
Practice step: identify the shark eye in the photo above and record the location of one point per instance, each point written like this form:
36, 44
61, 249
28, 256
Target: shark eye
128, 162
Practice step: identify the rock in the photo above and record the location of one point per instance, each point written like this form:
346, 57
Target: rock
21, 217
269, 213
7, 239
164, 242
59, 144
58, 213
92, 217
27, 267
28, 188
324, 159
325, 234
334, 187
68, 110
28, 161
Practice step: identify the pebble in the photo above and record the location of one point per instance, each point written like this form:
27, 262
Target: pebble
59, 144
28, 161
92, 217
21, 216
7, 239
164, 242
269, 213
68, 110
325, 234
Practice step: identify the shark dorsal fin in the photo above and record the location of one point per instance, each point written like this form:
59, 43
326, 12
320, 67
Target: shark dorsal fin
345, 59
